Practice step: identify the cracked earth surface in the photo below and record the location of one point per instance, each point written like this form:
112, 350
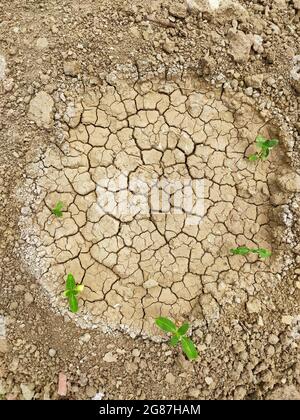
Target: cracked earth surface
140, 264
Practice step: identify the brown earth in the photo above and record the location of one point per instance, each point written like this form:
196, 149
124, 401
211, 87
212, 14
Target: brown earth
179, 91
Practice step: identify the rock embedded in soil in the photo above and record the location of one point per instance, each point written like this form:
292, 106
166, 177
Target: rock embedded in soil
42, 43
170, 378
3, 345
110, 357
290, 182
71, 68
27, 391
287, 319
28, 298
2, 67
253, 305
240, 46
52, 352
178, 10
255, 81
41, 109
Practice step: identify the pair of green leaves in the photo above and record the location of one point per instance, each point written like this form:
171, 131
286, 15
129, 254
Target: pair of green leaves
178, 335
57, 211
265, 147
71, 292
243, 250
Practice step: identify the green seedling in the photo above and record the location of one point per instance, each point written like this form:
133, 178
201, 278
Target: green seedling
71, 292
57, 211
178, 336
265, 147
243, 250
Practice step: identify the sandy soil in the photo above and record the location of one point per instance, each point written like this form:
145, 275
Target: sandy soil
162, 91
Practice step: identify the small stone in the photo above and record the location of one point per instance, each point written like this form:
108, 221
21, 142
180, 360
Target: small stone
253, 305
85, 338
136, 352
273, 339
178, 10
208, 380
288, 392
240, 46
42, 43
28, 298
207, 65
169, 46
239, 347
52, 352
2, 67
296, 4
27, 391
3, 345
271, 81
170, 378
249, 91
90, 391
194, 393
255, 81
287, 319
227, 11
8, 84
110, 358
210, 308
41, 109
71, 68
258, 44
290, 182
13, 306
239, 393
98, 396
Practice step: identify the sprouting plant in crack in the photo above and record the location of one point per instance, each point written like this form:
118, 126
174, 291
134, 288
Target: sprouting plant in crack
57, 210
244, 250
71, 292
265, 147
178, 336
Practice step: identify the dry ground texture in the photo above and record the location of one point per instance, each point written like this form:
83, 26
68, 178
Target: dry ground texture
170, 91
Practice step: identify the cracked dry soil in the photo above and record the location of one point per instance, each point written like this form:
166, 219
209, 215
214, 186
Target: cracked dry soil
72, 126
138, 265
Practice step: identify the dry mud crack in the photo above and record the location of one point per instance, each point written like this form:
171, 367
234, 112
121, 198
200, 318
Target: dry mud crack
135, 260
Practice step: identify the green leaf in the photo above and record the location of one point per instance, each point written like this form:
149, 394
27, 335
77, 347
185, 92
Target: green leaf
271, 143
67, 293
260, 140
253, 158
174, 340
73, 302
263, 253
166, 325
183, 329
70, 283
57, 211
241, 250
265, 153
189, 348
